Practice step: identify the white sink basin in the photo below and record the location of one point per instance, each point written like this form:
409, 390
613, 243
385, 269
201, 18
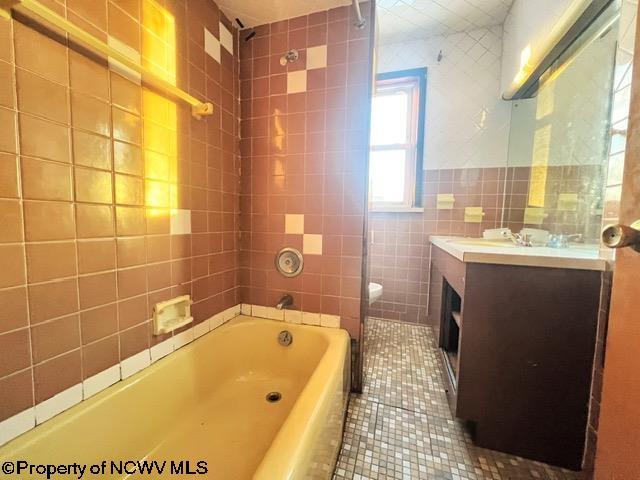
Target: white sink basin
505, 252
481, 242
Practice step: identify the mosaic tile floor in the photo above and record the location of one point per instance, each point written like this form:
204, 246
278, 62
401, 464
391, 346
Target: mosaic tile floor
401, 426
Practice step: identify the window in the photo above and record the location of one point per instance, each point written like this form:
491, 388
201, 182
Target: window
397, 137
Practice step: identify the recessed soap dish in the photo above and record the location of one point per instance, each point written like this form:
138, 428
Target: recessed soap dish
172, 314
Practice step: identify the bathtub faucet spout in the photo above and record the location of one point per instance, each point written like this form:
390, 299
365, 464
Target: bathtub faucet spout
285, 301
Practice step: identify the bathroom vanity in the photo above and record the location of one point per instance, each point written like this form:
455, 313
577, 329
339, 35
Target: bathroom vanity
517, 332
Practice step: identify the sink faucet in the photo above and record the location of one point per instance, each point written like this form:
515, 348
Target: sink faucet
562, 241
522, 240
285, 301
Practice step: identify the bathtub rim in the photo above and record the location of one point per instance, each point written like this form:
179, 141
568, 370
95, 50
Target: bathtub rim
281, 461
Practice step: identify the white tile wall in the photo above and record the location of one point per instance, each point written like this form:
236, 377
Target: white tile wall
309, 318
293, 223
297, 81
58, 403
132, 365
226, 38
312, 244
100, 381
467, 124
211, 45
17, 425
407, 20
316, 57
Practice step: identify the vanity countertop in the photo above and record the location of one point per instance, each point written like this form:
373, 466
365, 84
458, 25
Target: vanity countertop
478, 250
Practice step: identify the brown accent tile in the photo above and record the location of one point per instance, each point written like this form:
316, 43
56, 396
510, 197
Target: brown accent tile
90, 113
39, 225
52, 299
16, 393
7, 97
91, 150
158, 248
10, 221
132, 311
159, 276
133, 341
129, 190
94, 12
130, 221
131, 282
55, 337
100, 355
126, 126
48, 261
125, 94
94, 220
42, 97
158, 224
96, 255
57, 375
41, 138
131, 251
180, 271
123, 27
87, 74
127, 158
86, 26
98, 323
180, 246
13, 315
97, 289
43, 180
15, 352
6, 52
40, 54
8, 175
94, 186
11, 265
8, 131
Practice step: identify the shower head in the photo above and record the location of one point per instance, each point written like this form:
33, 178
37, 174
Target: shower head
359, 22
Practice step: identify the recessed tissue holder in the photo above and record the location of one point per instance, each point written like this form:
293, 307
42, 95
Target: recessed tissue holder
172, 314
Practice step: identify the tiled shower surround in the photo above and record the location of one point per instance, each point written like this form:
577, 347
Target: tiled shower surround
304, 148
399, 242
113, 197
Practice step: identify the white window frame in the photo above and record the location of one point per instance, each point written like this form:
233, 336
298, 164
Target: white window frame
412, 145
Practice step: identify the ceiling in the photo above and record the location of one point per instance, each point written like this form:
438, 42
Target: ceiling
405, 20
399, 20
258, 12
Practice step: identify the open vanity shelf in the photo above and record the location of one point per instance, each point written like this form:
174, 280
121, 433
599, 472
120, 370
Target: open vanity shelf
517, 343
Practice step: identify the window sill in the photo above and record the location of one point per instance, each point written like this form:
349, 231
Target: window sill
396, 210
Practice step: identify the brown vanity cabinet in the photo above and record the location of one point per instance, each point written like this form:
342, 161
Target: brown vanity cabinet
518, 345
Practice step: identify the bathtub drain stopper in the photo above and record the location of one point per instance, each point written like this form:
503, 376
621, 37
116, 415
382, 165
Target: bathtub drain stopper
273, 397
285, 338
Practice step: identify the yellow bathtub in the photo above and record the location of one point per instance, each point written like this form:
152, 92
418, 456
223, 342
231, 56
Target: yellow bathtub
207, 403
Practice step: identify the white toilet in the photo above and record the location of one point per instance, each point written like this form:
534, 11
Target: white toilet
375, 292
